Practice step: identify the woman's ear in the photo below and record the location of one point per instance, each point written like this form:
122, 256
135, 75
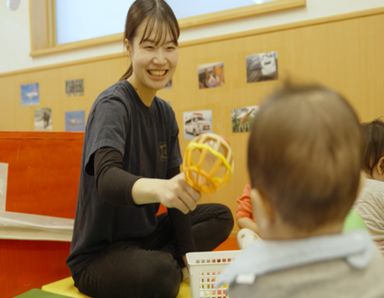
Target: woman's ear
380, 166
127, 45
379, 169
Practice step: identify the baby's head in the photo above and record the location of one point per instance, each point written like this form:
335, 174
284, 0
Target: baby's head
373, 135
304, 159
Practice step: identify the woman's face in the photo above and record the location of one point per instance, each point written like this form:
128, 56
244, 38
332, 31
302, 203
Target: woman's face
153, 62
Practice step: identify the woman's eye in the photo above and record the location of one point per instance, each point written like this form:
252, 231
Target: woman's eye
171, 48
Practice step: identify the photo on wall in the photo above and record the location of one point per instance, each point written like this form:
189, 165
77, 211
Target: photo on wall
30, 94
196, 123
75, 121
43, 119
3, 185
261, 67
74, 87
211, 75
242, 118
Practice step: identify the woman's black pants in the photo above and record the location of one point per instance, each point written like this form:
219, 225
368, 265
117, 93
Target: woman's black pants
127, 269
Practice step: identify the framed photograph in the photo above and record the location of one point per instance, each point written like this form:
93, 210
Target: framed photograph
75, 121
30, 94
74, 87
211, 75
196, 123
3, 185
261, 67
242, 118
43, 119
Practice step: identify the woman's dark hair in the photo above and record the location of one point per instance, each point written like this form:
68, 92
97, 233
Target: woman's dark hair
373, 136
156, 13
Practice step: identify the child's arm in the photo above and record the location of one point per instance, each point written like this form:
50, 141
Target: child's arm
244, 213
246, 222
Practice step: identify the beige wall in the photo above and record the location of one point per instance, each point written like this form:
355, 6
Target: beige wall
15, 31
343, 52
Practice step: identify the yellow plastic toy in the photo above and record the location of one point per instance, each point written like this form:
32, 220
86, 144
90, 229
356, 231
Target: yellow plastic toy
208, 162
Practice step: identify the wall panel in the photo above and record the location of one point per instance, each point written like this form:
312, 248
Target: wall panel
343, 52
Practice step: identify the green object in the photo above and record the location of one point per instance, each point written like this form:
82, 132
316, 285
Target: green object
37, 293
353, 222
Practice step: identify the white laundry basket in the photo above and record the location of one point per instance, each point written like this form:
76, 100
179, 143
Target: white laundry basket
204, 268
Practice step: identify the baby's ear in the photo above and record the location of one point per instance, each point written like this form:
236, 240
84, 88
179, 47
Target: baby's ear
262, 209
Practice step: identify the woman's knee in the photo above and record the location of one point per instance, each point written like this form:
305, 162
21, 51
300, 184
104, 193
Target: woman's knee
153, 274
160, 279
165, 276
225, 215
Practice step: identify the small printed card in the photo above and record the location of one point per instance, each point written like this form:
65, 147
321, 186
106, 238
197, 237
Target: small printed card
75, 121
3, 184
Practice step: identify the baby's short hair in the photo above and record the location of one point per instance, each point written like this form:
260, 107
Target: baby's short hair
305, 155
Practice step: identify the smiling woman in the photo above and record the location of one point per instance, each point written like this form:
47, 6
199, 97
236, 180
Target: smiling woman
130, 165
55, 23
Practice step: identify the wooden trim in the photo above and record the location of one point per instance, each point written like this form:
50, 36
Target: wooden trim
312, 22
78, 45
284, 27
238, 13
51, 135
39, 27
226, 15
63, 64
51, 12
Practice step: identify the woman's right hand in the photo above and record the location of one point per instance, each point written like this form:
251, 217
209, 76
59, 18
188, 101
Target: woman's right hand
172, 193
177, 193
